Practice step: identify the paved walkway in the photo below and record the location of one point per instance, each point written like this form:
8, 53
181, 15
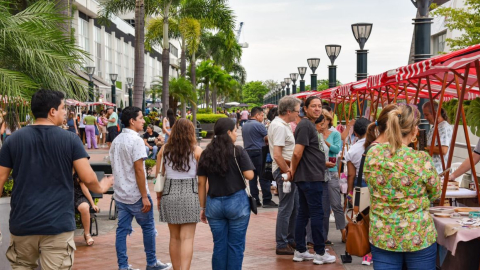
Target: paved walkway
259, 253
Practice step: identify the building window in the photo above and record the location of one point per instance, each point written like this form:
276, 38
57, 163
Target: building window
83, 41
98, 51
173, 50
439, 43
108, 54
118, 60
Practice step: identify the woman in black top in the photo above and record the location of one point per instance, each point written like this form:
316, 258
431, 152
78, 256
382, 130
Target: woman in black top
227, 206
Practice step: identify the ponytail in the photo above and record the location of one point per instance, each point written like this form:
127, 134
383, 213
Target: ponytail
393, 133
371, 135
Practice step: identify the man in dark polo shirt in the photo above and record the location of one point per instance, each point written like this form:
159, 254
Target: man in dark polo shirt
41, 158
254, 133
308, 170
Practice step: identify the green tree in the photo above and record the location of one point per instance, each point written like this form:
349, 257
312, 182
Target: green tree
466, 19
36, 53
253, 92
321, 85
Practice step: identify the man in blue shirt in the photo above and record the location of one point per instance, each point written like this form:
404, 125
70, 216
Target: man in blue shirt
254, 136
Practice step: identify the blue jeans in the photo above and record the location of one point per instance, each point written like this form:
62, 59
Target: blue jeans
126, 212
310, 206
256, 158
228, 218
287, 213
417, 260
154, 151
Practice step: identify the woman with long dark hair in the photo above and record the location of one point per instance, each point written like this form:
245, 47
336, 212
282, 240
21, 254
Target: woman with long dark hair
12, 122
168, 123
178, 203
225, 165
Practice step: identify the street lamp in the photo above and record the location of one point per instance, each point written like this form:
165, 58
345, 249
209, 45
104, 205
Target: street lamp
313, 64
302, 71
279, 93
294, 77
288, 81
332, 52
423, 29
113, 78
153, 87
283, 84
90, 70
130, 94
361, 32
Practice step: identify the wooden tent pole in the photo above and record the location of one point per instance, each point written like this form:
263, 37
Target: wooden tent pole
436, 134
460, 112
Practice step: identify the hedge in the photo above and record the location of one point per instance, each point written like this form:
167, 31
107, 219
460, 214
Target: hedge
203, 133
208, 118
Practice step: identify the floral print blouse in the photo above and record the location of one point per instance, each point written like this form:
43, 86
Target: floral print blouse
401, 188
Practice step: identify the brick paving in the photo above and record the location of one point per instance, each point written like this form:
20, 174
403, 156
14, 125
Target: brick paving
259, 252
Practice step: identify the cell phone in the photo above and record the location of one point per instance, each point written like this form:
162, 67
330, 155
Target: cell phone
444, 172
332, 159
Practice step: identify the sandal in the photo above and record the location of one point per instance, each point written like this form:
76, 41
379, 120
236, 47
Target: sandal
88, 239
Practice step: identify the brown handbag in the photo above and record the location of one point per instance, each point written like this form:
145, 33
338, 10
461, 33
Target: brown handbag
358, 222
357, 234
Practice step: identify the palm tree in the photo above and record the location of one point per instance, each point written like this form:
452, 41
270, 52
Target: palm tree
36, 53
206, 71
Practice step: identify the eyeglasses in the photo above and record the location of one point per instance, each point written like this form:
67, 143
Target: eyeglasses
296, 111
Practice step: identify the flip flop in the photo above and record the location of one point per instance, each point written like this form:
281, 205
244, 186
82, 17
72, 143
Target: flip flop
88, 239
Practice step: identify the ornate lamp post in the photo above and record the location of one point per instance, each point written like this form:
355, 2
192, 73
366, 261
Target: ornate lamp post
90, 70
130, 94
313, 64
294, 77
423, 29
302, 71
113, 78
332, 52
288, 81
279, 93
283, 87
361, 32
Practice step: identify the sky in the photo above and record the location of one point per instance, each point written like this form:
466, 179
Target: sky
282, 34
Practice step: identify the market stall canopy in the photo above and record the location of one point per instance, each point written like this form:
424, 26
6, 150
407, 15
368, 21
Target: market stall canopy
305, 94
269, 106
73, 102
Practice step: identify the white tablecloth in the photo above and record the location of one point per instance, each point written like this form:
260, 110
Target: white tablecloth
461, 193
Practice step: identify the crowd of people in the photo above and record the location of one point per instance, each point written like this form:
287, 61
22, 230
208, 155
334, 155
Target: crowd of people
296, 149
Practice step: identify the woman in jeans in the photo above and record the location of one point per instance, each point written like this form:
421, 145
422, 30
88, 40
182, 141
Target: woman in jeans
226, 207
333, 140
178, 203
403, 183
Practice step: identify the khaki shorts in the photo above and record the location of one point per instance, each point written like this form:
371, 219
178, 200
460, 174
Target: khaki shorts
54, 251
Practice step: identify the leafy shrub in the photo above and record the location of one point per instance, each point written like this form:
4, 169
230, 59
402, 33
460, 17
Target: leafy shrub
203, 133
209, 118
204, 111
149, 164
147, 121
7, 188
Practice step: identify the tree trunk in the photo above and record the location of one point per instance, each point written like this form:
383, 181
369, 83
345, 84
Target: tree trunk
193, 71
64, 7
183, 60
207, 93
165, 61
214, 99
184, 109
139, 53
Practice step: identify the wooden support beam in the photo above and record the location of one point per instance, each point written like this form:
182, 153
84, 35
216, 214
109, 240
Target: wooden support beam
436, 134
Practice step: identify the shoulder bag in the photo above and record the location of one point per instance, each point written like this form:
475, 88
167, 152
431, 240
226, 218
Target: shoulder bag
160, 181
358, 221
251, 200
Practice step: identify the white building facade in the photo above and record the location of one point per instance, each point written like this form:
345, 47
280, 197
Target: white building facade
112, 52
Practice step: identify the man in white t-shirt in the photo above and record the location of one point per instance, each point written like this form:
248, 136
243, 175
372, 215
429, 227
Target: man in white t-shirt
281, 144
445, 131
127, 155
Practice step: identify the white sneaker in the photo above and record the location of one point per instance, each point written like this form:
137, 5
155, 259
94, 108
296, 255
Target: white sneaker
332, 218
325, 258
300, 257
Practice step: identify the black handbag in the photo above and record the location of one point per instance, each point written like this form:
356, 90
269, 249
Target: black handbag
251, 200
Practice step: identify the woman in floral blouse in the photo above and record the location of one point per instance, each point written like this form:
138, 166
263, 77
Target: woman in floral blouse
402, 183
